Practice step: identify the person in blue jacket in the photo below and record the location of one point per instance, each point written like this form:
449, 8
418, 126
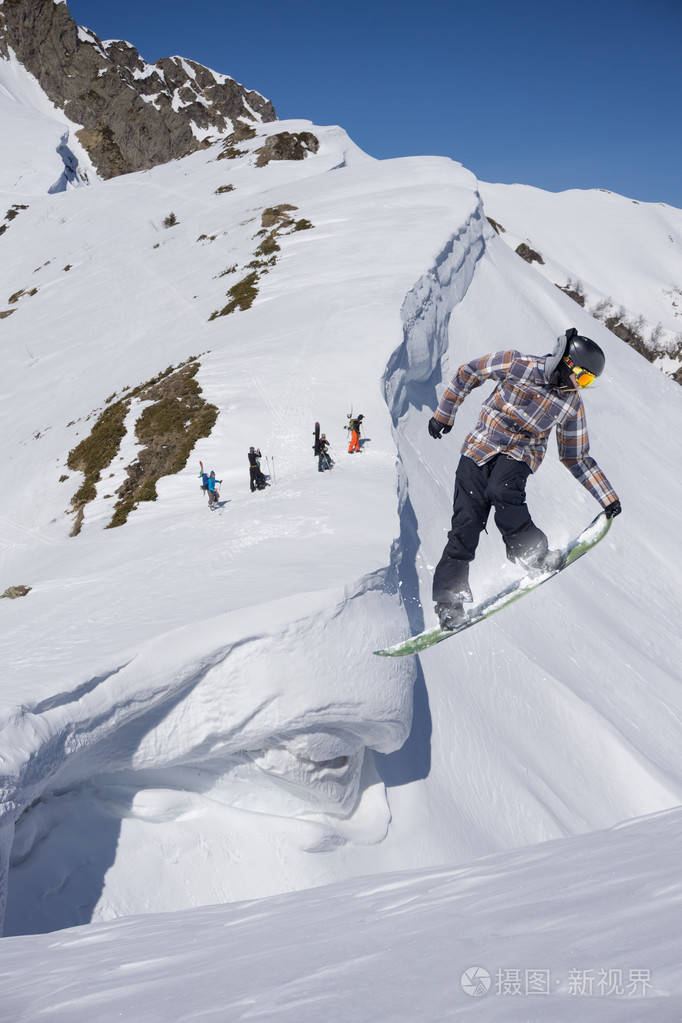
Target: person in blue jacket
213, 494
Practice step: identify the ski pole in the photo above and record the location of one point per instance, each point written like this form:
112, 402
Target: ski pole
335, 461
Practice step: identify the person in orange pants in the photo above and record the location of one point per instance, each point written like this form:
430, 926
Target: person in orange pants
354, 427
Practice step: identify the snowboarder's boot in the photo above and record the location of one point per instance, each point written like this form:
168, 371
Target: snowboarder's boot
539, 559
450, 615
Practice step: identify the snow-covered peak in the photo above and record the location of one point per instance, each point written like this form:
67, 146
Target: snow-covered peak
91, 82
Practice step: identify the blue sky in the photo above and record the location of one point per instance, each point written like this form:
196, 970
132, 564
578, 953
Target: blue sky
580, 94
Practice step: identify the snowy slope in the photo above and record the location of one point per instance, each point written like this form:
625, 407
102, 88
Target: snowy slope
623, 255
40, 151
582, 928
146, 627
189, 703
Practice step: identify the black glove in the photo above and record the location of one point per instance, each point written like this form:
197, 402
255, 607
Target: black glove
613, 509
436, 428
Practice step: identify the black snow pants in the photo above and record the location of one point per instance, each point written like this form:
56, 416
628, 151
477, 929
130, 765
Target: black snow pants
499, 484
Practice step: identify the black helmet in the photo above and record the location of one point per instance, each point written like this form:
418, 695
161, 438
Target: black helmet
573, 349
586, 353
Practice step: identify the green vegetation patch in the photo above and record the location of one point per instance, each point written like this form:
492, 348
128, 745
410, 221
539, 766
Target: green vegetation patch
13, 299
268, 245
241, 295
242, 133
94, 454
230, 152
275, 221
168, 428
12, 212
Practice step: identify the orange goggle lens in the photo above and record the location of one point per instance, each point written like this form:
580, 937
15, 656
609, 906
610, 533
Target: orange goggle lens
583, 377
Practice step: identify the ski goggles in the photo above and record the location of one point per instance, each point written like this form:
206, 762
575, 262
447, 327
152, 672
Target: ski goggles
583, 377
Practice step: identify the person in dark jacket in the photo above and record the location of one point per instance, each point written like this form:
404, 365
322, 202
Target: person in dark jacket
257, 480
324, 460
533, 395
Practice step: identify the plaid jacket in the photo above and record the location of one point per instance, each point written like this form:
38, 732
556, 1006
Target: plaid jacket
518, 417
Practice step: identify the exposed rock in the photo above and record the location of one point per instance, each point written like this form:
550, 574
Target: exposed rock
631, 337
277, 216
530, 255
287, 145
572, 293
134, 115
12, 592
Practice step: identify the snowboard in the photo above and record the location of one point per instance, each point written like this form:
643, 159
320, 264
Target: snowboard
575, 549
316, 435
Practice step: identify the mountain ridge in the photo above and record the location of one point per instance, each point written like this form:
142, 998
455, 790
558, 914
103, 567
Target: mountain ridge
134, 115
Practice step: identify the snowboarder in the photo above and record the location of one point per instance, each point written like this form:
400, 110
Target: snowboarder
213, 494
324, 460
257, 480
354, 426
533, 394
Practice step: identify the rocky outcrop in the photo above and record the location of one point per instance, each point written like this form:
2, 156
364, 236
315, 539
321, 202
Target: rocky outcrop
530, 255
134, 115
287, 145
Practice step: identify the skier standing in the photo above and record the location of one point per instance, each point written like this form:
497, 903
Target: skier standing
323, 457
213, 494
533, 394
257, 480
354, 426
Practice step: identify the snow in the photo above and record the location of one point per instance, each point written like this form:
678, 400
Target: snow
571, 929
619, 249
205, 772
39, 140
